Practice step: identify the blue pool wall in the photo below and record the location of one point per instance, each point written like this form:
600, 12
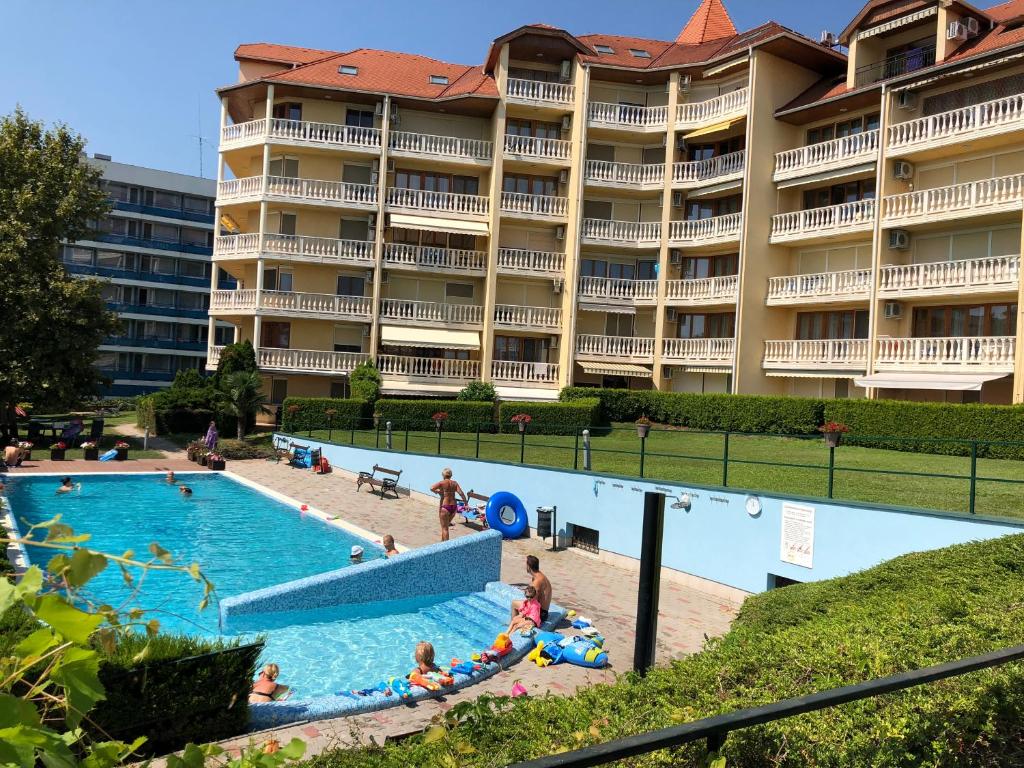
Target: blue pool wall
715, 539
466, 564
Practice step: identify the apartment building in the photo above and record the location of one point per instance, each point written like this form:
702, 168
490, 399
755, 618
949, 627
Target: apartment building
154, 253
750, 212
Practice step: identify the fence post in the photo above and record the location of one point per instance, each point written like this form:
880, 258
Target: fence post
576, 452
974, 475
831, 468
478, 441
439, 428
407, 437
586, 450
650, 582
387, 435
522, 443
376, 438
352, 432
330, 427
643, 451
725, 462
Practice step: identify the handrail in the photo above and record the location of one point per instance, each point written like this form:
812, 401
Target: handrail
709, 169
857, 146
627, 174
954, 123
444, 146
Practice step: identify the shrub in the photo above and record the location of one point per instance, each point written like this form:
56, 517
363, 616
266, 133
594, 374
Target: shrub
234, 358
479, 391
551, 418
463, 416
188, 378
239, 450
145, 412
364, 381
301, 414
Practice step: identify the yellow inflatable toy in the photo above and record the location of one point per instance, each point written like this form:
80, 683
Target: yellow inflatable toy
535, 656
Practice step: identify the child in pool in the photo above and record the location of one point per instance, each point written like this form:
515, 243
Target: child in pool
427, 674
528, 617
266, 688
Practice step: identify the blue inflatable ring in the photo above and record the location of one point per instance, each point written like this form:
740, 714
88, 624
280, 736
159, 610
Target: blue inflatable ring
506, 514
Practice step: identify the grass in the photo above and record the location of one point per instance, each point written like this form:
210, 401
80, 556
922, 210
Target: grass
756, 462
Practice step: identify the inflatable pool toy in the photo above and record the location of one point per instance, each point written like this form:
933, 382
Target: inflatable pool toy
548, 638
463, 667
570, 614
400, 686
501, 647
381, 687
415, 678
506, 514
476, 657
584, 653
304, 508
581, 623
109, 455
518, 689
537, 655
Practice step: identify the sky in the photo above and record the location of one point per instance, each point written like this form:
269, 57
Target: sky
137, 79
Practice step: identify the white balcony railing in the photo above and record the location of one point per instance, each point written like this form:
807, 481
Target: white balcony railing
848, 354
442, 202
537, 148
712, 170
534, 205
706, 231
626, 116
967, 353
524, 373
236, 133
624, 232
826, 155
542, 92
316, 303
244, 299
699, 350
236, 246
319, 249
434, 368
958, 125
727, 105
992, 273
439, 259
624, 174
404, 310
705, 290
524, 261
301, 190
311, 360
615, 289
245, 187
213, 356
973, 197
848, 284
439, 146
301, 132
536, 318
830, 219
622, 347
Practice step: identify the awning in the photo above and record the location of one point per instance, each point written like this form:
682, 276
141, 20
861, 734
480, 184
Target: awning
621, 309
957, 382
400, 336
617, 369
436, 224
722, 126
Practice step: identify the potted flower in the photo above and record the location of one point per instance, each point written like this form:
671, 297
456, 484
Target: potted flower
202, 456
122, 450
521, 420
91, 449
192, 448
833, 432
215, 461
57, 451
643, 427
440, 418
26, 450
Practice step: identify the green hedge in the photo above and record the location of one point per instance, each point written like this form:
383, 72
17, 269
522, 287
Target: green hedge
463, 415
312, 413
552, 418
184, 411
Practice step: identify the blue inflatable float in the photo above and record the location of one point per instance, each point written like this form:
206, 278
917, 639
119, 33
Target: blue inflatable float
109, 455
507, 515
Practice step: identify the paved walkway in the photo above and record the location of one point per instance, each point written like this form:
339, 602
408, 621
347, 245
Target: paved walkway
169, 449
602, 592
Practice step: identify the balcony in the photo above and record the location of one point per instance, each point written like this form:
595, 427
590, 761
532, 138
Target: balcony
154, 342
184, 214
532, 149
703, 291
539, 93
700, 232
958, 126
432, 147
407, 312
518, 318
134, 274
632, 234
213, 357
308, 361
604, 290
425, 258
626, 117
148, 242
448, 203
600, 173
895, 66
827, 156
727, 106
291, 304
828, 222
300, 248
300, 133
157, 310
825, 355
309, 191
961, 354
701, 352
713, 170
430, 369
995, 274
532, 374
528, 263
544, 207
974, 198
603, 348
821, 287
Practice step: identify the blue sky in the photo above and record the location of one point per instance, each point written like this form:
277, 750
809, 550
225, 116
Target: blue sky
137, 79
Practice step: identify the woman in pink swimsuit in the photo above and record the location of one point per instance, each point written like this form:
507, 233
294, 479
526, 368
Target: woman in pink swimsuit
447, 488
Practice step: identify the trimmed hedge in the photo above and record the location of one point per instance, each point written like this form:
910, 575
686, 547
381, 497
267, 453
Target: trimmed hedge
238, 450
463, 415
184, 411
312, 413
551, 418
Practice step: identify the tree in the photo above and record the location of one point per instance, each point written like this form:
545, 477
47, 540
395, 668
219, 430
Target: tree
236, 357
478, 391
364, 382
52, 322
189, 378
243, 397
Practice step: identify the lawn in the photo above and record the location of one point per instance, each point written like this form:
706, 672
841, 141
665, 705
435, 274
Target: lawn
755, 462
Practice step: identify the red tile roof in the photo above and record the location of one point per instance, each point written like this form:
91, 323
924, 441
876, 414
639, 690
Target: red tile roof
826, 88
281, 54
709, 22
1006, 11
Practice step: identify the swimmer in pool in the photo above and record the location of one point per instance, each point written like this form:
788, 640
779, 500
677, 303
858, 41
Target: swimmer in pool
66, 486
171, 479
184, 490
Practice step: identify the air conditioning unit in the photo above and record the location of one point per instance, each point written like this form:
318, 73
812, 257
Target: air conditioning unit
553, 342
906, 100
956, 31
666, 372
893, 310
670, 314
556, 285
378, 110
563, 176
973, 26
560, 233
566, 122
685, 81
827, 39
901, 169
675, 257
565, 71
677, 199
899, 239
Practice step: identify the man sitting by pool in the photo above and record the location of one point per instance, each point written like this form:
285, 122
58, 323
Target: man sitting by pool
541, 584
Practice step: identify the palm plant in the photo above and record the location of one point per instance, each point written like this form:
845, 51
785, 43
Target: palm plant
243, 397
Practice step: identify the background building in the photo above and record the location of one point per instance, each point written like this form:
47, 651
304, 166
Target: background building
750, 212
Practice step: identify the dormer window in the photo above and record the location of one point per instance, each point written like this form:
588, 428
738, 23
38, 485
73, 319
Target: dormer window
438, 79
348, 69
639, 53
604, 49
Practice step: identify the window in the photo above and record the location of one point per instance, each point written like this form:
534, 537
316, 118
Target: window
339, 389
530, 185
81, 256
839, 324
647, 270
197, 237
532, 128
195, 204
275, 280
700, 267
350, 286
458, 290
287, 167
160, 199
115, 260
192, 300
437, 182
639, 53
157, 363
593, 268
605, 49
290, 110
276, 335
850, 192
359, 118
622, 271
165, 233
597, 209
536, 75
519, 349
706, 209
223, 335
618, 325
156, 297
348, 69
117, 191
967, 320
157, 330
707, 326
353, 229
192, 334
843, 128
188, 268
158, 265
278, 391
286, 223
696, 152
112, 293
438, 79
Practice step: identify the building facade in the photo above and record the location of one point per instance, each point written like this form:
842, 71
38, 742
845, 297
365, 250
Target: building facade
154, 251
750, 212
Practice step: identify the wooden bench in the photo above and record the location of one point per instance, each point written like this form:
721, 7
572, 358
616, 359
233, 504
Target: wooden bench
474, 515
383, 484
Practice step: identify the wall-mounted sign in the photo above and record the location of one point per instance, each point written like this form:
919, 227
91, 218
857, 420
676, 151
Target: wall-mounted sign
797, 545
